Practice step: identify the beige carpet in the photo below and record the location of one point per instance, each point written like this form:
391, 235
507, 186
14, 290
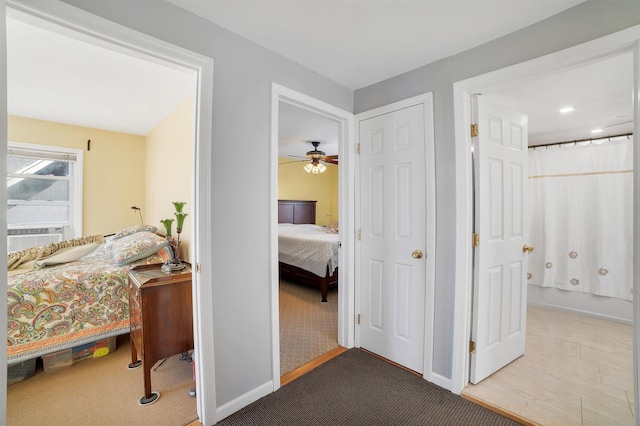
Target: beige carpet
102, 391
308, 327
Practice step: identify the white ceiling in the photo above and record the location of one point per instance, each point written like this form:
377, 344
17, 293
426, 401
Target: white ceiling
360, 42
353, 42
54, 77
299, 127
601, 93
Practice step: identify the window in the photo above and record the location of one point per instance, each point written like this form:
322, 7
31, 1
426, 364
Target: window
44, 194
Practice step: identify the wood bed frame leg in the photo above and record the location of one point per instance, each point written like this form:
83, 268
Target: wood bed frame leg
324, 289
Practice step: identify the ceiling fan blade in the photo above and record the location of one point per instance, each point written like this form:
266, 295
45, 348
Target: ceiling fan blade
294, 161
314, 156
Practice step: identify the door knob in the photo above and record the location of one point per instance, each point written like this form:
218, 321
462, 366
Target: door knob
527, 249
417, 254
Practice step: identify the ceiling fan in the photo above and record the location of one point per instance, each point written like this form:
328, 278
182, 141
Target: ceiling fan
315, 158
317, 155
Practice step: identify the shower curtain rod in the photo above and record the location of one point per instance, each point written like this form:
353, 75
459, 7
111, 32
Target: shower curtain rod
583, 140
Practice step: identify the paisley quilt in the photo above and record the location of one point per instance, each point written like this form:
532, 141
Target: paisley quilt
70, 304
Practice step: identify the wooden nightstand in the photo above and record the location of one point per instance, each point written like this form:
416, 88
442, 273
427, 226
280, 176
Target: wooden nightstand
161, 318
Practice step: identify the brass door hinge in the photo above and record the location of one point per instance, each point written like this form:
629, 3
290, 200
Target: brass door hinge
359, 234
475, 240
358, 149
472, 347
198, 267
474, 130
358, 319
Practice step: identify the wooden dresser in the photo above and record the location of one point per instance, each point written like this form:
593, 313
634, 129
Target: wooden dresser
161, 318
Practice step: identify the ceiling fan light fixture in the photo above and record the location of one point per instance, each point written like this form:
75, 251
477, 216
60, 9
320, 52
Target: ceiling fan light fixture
315, 168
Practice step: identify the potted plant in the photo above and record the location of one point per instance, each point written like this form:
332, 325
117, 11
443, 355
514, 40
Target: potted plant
175, 264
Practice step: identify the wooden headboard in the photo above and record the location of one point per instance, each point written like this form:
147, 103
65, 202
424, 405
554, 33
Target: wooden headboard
296, 211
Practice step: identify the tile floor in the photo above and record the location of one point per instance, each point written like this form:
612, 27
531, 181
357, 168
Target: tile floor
576, 370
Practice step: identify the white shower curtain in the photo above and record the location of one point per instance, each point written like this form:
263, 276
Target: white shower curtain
581, 218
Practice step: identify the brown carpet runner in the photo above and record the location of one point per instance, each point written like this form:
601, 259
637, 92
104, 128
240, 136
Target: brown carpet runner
357, 388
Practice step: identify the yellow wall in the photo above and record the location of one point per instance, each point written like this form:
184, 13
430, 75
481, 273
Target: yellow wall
169, 174
123, 170
114, 178
296, 184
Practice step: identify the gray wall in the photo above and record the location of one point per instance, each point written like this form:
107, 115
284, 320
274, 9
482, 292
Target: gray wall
582, 23
243, 73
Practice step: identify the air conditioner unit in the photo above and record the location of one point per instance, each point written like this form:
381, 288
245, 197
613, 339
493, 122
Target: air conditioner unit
22, 238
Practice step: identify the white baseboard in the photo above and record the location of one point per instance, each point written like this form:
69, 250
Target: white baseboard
588, 313
608, 308
441, 381
243, 400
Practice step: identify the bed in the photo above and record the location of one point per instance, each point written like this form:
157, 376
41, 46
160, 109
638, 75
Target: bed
308, 253
75, 292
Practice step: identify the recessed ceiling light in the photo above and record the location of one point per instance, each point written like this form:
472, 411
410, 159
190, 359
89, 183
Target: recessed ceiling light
566, 110
596, 131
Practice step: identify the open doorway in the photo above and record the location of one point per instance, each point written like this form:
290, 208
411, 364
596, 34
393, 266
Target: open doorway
294, 115
496, 88
200, 69
308, 169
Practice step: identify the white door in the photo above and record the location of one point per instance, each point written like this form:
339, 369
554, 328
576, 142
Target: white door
501, 208
392, 245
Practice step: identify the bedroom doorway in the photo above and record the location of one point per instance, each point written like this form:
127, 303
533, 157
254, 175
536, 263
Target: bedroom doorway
486, 84
303, 334
84, 26
308, 324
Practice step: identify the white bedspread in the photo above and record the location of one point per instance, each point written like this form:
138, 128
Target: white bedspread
309, 247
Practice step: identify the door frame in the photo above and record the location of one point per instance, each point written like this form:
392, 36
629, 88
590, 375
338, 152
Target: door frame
623, 41
426, 100
109, 34
346, 196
